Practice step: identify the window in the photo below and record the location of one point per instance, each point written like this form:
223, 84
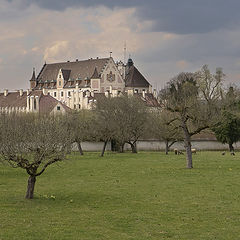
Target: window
136, 90
60, 76
61, 94
58, 108
55, 94
35, 104
69, 94
59, 83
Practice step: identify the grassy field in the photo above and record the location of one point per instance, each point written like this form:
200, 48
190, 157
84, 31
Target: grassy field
125, 196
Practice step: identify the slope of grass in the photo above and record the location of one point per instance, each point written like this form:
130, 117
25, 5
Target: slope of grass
125, 196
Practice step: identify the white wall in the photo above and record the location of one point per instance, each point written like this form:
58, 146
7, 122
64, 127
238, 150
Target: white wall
151, 145
92, 146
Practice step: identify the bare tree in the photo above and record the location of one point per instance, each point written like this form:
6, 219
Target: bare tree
33, 142
193, 98
210, 85
104, 122
131, 116
165, 128
82, 127
123, 119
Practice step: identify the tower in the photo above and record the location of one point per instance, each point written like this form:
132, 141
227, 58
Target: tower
33, 80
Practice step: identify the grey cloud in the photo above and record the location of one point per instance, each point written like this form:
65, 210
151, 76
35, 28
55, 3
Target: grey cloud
176, 16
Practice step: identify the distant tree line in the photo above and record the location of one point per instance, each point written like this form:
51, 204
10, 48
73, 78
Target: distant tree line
189, 104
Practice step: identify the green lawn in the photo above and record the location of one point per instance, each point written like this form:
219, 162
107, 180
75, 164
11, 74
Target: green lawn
125, 196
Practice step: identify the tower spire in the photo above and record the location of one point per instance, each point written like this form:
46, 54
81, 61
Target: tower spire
33, 75
33, 81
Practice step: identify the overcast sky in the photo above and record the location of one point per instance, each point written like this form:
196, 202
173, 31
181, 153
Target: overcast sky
164, 37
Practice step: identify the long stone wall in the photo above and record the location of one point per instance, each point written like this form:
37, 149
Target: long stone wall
199, 145
153, 145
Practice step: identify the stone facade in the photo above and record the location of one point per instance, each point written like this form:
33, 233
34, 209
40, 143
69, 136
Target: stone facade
75, 84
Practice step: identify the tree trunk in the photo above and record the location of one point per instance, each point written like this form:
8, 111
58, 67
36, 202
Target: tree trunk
166, 147
133, 147
231, 148
104, 147
30, 187
121, 150
188, 146
80, 148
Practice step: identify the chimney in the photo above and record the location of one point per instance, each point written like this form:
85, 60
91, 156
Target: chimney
5, 92
143, 94
21, 92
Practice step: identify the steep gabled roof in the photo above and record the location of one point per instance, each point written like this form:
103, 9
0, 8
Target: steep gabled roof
95, 74
135, 79
48, 103
79, 69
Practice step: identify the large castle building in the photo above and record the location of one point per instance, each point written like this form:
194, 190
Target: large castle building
60, 87
77, 83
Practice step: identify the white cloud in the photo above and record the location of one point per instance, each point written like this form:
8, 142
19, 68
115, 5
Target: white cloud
32, 35
39, 35
56, 51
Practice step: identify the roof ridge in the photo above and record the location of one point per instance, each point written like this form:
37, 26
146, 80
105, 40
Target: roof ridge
41, 70
93, 59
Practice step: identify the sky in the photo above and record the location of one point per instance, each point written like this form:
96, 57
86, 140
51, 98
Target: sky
163, 37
